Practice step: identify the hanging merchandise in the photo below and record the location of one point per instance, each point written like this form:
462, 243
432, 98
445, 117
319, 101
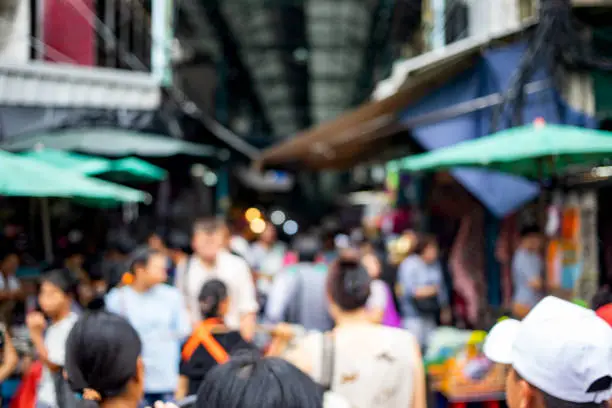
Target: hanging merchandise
572, 242
587, 281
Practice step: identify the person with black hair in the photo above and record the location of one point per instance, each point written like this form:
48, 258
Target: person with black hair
298, 294
527, 268
560, 356
157, 312
57, 294
369, 364
211, 343
249, 381
103, 360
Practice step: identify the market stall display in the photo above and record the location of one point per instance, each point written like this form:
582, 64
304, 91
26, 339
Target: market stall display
459, 371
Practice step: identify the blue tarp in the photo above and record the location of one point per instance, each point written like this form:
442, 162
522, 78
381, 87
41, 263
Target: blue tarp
500, 193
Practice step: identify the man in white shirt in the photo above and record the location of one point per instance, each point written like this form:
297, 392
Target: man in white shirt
212, 260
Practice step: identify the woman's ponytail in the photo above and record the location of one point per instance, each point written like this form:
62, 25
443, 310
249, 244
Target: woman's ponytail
212, 295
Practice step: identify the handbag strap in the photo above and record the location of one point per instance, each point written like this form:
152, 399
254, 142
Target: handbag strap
328, 363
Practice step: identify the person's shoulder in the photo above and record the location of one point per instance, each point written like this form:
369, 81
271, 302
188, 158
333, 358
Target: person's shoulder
72, 318
231, 260
378, 285
114, 294
233, 340
64, 325
168, 291
397, 339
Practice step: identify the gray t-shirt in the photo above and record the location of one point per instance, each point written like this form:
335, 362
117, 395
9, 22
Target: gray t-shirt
55, 343
526, 267
299, 295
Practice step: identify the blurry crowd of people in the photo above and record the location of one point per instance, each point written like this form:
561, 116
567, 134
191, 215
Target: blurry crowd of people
186, 309
334, 320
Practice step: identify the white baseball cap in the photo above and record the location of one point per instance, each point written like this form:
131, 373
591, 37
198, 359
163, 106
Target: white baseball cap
561, 348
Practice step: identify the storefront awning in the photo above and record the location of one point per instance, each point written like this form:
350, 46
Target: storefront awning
62, 85
353, 137
357, 135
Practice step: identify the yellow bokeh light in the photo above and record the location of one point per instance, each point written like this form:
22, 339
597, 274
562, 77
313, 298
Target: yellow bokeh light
257, 225
252, 214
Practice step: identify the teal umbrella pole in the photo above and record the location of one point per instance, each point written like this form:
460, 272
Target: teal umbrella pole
46, 229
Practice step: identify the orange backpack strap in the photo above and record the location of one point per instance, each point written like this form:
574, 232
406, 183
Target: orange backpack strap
203, 336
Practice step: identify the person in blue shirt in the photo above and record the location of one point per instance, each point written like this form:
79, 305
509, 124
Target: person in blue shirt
423, 296
158, 313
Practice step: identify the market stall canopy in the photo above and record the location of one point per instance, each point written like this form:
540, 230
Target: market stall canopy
110, 142
128, 169
536, 151
27, 177
361, 134
357, 135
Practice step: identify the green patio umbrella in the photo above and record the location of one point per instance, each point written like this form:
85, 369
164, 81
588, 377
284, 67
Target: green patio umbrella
87, 165
128, 169
27, 177
133, 168
536, 151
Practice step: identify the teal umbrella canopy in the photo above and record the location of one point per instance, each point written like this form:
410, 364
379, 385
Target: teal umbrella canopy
128, 169
28, 177
87, 165
534, 151
133, 168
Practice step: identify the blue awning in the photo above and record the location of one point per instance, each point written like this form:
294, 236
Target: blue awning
500, 193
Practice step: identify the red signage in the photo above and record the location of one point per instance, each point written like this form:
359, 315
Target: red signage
69, 33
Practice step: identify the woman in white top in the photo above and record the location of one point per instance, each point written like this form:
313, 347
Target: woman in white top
368, 364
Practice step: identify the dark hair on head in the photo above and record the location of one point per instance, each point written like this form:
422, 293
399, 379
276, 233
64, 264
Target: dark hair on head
249, 381
424, 242
348, 284
208, 225
307, 247
530, 230
211, 295
62, 278
554, 402
102, 351
141, 258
